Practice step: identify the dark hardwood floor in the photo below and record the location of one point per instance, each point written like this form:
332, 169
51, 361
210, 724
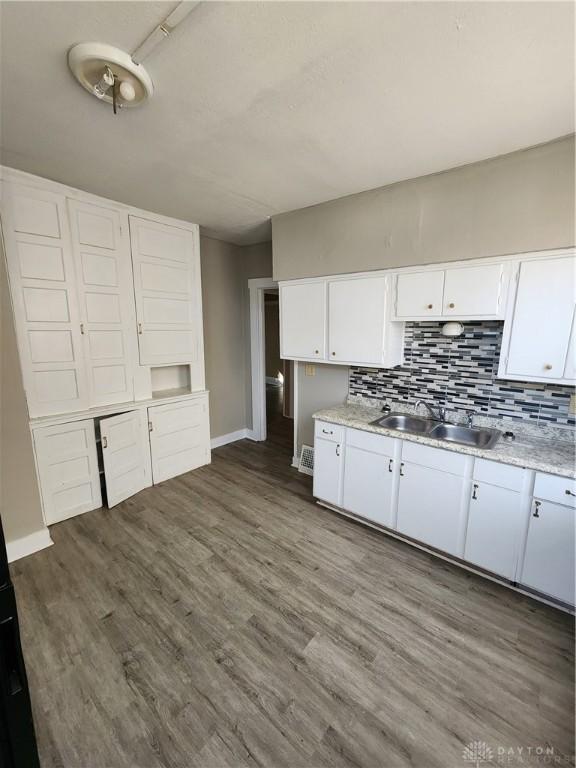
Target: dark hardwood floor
224, 619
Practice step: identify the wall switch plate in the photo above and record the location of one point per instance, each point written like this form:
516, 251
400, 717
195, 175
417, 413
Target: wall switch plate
310, 370
572, 406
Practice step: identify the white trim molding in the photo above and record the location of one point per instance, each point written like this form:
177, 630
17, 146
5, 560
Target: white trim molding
27, 545
231, 437
256, 288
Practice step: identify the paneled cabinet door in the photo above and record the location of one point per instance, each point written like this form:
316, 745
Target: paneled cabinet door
549, 557
43, 287
167, 289
357, 313
179, 437
303, 321
68, 469
108, 323
419, 294
541, 326
430, 507
328, 467
126, 454
493, 534
368, 482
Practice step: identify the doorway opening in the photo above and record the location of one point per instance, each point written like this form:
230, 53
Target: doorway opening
272, 377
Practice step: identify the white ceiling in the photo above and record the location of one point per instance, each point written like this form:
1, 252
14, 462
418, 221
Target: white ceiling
266, 107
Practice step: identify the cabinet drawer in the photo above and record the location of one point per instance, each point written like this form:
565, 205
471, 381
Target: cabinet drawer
435, 458
561, 490
502, 475
369, 441
327, 431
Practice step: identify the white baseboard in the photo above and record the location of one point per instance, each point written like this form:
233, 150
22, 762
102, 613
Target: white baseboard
231, 437
27, 545
295, 462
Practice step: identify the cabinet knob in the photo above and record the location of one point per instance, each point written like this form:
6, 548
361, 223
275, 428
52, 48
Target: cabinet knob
140, 328
401, 468
390, 465
451, 305
338, 449
430, 306
474, 491
333, 354
104, 441
536, 512
547, 367
316, 351
569, 493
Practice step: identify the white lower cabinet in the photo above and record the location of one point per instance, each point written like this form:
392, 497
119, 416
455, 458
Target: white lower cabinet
494, 529
328, 469
549, 557
126, 455
179, 437
430, 507
368, 484
68, 472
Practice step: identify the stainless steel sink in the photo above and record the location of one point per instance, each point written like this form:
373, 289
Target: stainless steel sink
403, 422
478, 437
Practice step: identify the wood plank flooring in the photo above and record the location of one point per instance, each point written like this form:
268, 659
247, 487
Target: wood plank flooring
222, 619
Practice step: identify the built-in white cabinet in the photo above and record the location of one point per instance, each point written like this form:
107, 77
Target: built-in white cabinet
539, 343
370, 476
340, 320
126, 455
328, 462
303, 321
464, 293
101, 249
68, 473
167, 289
43, 287
179, 437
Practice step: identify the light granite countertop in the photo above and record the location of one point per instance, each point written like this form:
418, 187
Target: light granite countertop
543, 454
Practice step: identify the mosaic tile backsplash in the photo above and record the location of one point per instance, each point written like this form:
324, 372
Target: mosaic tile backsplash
460, 373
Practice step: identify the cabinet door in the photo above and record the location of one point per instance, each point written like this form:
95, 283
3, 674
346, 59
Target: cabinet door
542, 319
430, 507
68, 469
106, 295
303, 321
179, 437
328, 465
494, 529
368, 481
43, 287
473, 291
356, 319
126, 454
167, 290
419, 294
549, 557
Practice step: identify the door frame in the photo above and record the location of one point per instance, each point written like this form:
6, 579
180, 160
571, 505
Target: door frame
256, 288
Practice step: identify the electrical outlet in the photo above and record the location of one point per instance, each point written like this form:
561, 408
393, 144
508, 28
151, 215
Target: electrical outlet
310, 370
572, 406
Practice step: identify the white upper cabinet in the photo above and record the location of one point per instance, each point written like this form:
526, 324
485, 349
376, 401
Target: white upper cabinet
101, 249
358, 327
464, 293
474, 291
538, 342
43, 287
303, 321
126, 455
167, 288
419, 294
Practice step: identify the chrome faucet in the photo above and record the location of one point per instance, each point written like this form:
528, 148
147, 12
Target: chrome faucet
439, 415
470, 419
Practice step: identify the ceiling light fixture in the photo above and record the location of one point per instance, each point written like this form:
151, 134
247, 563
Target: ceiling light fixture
117, 77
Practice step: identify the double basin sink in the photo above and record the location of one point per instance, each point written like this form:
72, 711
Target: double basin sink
477, 437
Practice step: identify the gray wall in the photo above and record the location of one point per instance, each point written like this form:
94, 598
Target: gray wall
19, 495
510, 204
226, 269
327, 387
